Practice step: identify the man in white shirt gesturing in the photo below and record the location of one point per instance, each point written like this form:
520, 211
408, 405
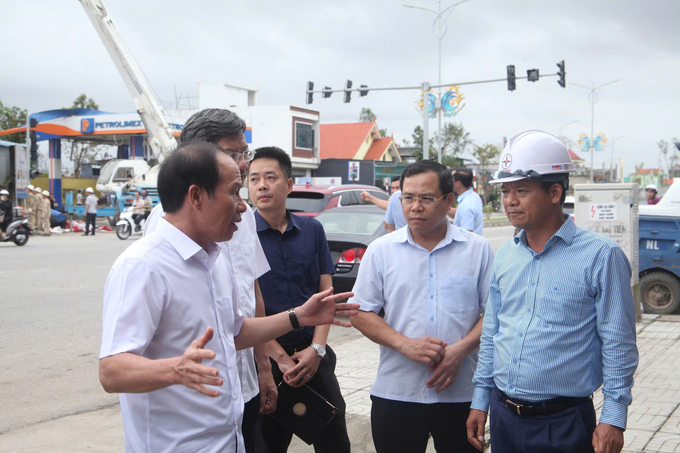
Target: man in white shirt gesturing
172, 324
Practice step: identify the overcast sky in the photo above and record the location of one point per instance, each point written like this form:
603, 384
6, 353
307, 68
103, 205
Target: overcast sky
51, 53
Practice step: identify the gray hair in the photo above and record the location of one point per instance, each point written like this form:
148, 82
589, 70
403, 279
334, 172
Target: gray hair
212, 125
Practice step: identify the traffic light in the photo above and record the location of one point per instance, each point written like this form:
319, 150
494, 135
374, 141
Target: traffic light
532, 75
561, 73
348, 92
511, 77
34, 140
327, 91
310, 94
363, 92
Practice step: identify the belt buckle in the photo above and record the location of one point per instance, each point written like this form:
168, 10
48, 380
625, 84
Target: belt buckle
516, 406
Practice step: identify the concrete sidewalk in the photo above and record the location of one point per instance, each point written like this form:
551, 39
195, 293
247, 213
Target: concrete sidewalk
653, 420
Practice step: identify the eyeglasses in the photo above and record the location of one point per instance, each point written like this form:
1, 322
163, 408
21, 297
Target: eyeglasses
427, 202
246, 155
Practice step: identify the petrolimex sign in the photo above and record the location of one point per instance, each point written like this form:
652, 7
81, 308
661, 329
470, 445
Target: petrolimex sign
116, 124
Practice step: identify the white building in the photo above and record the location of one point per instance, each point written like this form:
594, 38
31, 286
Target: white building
293, 129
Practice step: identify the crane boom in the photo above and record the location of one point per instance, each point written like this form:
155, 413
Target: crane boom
160, 136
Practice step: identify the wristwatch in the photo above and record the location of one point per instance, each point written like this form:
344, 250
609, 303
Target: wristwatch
320, 350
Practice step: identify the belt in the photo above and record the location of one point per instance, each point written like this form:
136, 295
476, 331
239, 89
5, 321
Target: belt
547, 407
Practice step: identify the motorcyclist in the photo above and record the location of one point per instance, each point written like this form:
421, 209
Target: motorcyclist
148, 203
6, 212
138, 206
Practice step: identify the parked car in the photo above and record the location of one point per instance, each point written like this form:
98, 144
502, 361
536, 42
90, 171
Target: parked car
308, 200
349, 231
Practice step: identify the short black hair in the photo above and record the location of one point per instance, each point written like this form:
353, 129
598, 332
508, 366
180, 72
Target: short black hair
192, 163
564, 184
463, 175
396, 178
212, 125
273, 152
424, 166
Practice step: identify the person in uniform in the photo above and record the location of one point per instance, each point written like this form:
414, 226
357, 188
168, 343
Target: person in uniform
31, 206
45, 212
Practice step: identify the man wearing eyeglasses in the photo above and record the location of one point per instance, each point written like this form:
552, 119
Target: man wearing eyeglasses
432, 280
225, 129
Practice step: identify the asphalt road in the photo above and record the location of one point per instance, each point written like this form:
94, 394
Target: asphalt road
50, 325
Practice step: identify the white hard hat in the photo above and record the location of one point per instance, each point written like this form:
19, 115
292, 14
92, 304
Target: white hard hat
4, 192
89, 190
30, 187
38, 189
46, 193
533, 155
651, 187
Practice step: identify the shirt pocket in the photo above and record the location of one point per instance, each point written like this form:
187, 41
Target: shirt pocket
458, 295
306, 272
561, 303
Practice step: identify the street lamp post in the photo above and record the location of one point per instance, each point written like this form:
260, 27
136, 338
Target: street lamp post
562, 126
611, 165
592, 98
439, 28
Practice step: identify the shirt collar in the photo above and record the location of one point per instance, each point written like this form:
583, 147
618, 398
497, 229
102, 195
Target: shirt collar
184, 245
566, 232
262, 225
464, 194
452, 234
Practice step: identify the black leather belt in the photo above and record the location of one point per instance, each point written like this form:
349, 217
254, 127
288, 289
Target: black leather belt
548, 407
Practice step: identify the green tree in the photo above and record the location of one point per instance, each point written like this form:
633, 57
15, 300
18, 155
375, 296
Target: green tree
80, 152
486, 157
367, 116
11, 116
418, 141
83, 102
669, 151
454, 140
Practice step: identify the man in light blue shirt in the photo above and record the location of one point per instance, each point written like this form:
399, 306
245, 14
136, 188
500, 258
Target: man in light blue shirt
469, 214
560, 320
431, 279
394, 217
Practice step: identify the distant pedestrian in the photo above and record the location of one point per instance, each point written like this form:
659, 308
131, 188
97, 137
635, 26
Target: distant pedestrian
470, 214
394, 216
45, 213
79, 197
559, 322
90, 211
6, 212
651, 192
31, 206
382, 204
37, 200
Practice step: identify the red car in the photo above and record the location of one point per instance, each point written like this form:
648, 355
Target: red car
308, 200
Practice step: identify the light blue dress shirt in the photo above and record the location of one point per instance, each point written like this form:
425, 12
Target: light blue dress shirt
469, 215
560, 323
439, 294
394, 214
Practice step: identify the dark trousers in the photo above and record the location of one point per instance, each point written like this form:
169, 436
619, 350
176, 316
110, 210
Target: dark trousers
272, 437
568, 431
403, 426
90, 219
251, 411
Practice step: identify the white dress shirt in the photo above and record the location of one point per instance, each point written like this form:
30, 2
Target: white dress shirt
249, 263
162, 293
439, 294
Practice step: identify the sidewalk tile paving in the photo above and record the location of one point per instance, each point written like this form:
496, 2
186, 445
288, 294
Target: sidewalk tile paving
653, 417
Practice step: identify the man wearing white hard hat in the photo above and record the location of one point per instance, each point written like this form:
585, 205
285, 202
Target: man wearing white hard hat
651, 191
559, 322
90, 211
37, 200
6, 212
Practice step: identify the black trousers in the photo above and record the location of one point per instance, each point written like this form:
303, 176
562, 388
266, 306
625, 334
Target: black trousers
403, 426
568, 431
272, 437
251, 411
90, 219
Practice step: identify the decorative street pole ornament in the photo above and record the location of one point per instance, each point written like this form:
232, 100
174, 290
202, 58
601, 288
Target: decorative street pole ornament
598, 144
450, 103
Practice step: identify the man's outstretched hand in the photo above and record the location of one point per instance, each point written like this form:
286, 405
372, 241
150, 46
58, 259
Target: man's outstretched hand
322, 309
191, 373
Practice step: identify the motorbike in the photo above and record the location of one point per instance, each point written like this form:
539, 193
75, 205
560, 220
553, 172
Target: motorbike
18, 231
126, 225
